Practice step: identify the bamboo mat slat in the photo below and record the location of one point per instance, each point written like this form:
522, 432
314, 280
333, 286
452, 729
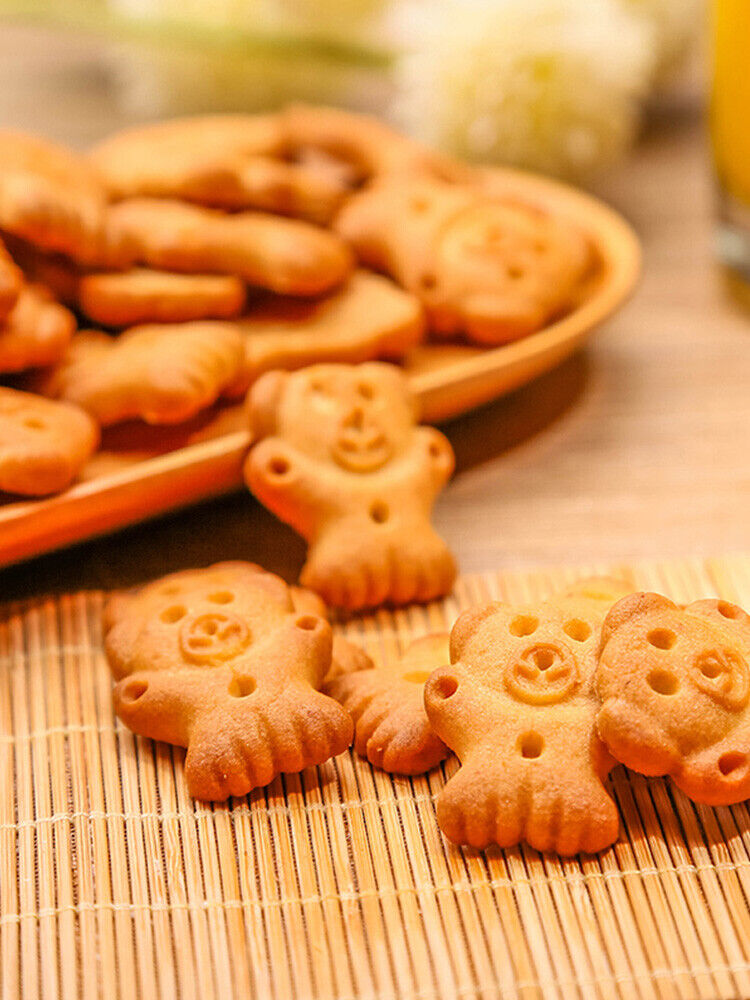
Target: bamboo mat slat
335, 884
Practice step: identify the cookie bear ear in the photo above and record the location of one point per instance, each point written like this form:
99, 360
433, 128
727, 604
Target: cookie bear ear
721, 612
115, 609
467, 624
633, 606
263, 403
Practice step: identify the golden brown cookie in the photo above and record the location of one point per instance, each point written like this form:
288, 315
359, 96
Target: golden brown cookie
391, 728
160, 374
367, 318
518, 707
127, 298
50, 196
490, 270
57, 273
675, 690
43, 444
282, 255
36, 331
341, 459
365, 144
219, 661
221, 161
11, 280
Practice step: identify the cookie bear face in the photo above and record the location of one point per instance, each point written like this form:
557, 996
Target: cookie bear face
204, 619
537, 656
675, 690
357, 417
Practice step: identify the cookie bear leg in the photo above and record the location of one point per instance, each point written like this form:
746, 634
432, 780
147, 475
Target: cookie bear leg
244, 745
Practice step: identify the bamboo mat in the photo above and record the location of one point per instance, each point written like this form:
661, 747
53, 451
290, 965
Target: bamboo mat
335, 883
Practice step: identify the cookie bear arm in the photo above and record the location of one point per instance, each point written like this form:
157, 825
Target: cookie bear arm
457, 708
440, 455
285, 482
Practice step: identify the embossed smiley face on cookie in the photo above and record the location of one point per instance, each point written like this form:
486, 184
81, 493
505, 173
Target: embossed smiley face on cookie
488, 268
675, 688
223, 662
517, 706
357, 417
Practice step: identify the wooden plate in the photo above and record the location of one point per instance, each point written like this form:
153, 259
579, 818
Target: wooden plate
141, 472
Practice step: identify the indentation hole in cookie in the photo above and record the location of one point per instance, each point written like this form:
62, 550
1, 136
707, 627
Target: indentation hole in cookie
663, 682
417, 676
133, 690
278, 466
577, 629
419, 205
531, 745
172, 614
661, 638
34, 423
544, 658
731, 761
379, 512
524, 625
241, 687
514, 271
727, 610
428, 282
221, 597
710, 667
365, 390
308, 623
446, 686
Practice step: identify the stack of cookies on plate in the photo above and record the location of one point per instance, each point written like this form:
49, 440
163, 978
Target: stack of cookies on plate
162, 273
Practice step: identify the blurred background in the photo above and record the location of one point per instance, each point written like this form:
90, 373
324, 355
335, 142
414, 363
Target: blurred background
560, 86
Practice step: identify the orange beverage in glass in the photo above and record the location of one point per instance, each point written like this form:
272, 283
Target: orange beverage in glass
730, 130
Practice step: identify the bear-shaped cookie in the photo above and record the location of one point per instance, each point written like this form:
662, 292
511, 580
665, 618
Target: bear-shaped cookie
219, 660
675, 690
341, 459
517, 706
490, 269
386, 701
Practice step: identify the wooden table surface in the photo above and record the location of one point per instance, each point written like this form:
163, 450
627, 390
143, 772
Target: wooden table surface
635, 448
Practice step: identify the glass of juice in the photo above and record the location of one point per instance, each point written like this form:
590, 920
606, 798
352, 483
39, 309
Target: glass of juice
730, 132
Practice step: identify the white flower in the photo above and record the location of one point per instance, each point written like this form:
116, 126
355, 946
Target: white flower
551, 85
676, 25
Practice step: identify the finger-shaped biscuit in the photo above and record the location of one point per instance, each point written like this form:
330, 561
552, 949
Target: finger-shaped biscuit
391, 728
283, 255
219, 661
488, 269
518, 706
675, 689
11, 280
340, 458
36, 331
127, 298
221, 161
43, 444
56, 272
369, 317
365, 143
160, 374
50, 196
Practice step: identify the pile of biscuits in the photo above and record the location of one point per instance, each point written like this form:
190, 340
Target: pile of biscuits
538, 702
198, 254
